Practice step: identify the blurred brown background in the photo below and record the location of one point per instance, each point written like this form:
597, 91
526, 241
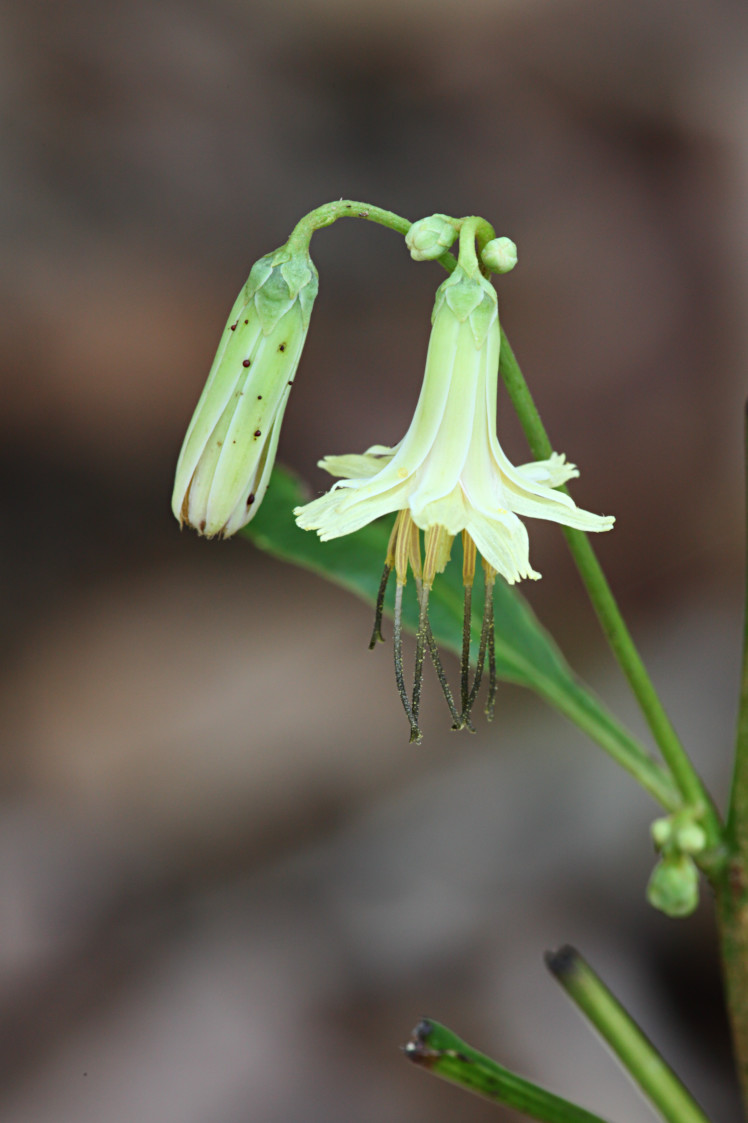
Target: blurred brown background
228, 887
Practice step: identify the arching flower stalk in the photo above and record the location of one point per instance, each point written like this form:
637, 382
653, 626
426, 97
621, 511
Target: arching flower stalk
449, 475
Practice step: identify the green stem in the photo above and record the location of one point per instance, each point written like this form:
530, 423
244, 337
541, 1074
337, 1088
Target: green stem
737, 816
474, 230
434, 1047
687, 779
634, 1050
732, 889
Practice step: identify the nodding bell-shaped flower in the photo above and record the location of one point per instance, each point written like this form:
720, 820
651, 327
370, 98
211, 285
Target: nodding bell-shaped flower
449, 476
229, 449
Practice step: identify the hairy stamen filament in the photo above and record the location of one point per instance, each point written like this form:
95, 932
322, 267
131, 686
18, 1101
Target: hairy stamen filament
415, 733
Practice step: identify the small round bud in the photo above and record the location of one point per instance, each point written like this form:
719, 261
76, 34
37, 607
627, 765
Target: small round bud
690, 838
499, 255
674, 886
430, 237
661, 831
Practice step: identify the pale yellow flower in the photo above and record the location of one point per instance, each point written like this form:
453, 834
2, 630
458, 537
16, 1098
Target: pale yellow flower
449, 473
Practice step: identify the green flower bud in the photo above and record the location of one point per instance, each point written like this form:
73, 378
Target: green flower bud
661, 831
674, 885
689, 838
428, 238
230, 445
499, 255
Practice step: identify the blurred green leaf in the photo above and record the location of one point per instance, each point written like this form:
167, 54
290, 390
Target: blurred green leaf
525, 653
434, 1047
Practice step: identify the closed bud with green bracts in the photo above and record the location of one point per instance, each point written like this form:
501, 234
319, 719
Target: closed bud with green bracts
430, 237
499, 255
229, 450
674, 885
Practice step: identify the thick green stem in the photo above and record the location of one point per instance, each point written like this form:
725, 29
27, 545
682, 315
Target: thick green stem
634, 1050
687, 779
731, 892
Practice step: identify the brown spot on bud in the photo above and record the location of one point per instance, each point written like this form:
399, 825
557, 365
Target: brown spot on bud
258, 432
233, 326
282, 347
246, 362
259, 397
250, 500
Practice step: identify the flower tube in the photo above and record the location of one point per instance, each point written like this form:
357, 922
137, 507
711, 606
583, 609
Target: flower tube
229, 449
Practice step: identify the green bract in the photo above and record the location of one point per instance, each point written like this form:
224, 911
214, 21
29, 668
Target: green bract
230, 446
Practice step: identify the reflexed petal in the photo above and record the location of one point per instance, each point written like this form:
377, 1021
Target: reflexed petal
553, 472
353, 465
503, 542
344, 511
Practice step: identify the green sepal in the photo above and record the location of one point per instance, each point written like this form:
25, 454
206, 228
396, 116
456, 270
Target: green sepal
471, 298
277, 281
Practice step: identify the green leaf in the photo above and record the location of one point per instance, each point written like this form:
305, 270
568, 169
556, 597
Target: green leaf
525, 653
436, 1048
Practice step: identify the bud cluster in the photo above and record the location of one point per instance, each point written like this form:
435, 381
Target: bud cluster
674, 885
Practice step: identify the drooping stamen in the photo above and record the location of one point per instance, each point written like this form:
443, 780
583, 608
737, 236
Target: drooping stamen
436, 660
467, 616
486, 628
490, 575
376, 635
468, 576
389, 565
446, 691
415, 733
421, 634
414, 545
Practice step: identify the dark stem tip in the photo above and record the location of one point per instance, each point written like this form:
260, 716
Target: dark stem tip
417, 1049
562, 962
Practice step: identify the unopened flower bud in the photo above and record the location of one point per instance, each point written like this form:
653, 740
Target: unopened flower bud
499, 255
661, 831
689, 838
674, 885
229, 449
430, 237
